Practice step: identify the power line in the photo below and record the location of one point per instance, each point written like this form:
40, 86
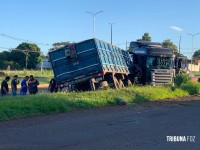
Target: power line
19, 39
190, 48
15, 49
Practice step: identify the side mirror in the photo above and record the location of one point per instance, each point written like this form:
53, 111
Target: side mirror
180, 63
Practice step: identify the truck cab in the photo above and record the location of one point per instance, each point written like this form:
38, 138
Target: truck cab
152, 63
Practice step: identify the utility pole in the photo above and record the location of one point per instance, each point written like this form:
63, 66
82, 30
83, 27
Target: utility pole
179, 47
126, 45
192, 43
26, 52
111, 32
41, 67
93, 15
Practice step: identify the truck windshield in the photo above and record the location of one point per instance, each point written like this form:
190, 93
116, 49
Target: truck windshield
159, 62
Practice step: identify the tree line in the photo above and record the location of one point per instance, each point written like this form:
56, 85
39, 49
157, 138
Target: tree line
24, 56
169, 44
28, 55
166, 43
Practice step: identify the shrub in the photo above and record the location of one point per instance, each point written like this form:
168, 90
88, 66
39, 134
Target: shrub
191, 88
182, 78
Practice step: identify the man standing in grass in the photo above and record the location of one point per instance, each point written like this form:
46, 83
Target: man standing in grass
32, 85
14, 83
4, 86
24, 86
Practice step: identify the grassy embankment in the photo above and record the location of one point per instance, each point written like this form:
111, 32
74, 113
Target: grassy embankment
43, 77
31, 105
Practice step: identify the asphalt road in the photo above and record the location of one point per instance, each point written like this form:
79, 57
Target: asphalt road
132, 127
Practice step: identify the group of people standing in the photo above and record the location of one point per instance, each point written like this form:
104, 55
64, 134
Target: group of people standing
27, 84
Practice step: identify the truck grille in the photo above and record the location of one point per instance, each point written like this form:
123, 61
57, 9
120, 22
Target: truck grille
161, 76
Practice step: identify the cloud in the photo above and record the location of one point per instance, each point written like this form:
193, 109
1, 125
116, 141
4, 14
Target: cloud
176, 28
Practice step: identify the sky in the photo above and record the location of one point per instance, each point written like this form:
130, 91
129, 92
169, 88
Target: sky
48, 21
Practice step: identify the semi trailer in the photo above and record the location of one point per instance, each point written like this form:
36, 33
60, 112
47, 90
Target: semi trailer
90, 65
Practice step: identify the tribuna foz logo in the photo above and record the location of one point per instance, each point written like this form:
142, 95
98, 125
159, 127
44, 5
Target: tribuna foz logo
180, 138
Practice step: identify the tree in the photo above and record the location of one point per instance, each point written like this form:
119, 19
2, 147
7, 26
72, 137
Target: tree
145, 37
4, 56
11, 58
18, 57
169, 44
28, 46
197, 54
60, 44
32, 52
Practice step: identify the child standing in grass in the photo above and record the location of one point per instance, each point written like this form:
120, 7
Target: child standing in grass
24, 86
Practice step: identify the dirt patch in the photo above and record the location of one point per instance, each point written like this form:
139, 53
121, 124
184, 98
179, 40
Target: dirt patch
192, 100
43, 85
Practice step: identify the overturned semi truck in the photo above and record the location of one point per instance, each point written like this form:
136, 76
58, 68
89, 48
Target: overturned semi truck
90, 65
94, 64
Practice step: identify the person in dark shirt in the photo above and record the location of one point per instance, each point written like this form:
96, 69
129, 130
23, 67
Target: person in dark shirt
52, 86
32, 85
14, 83
4, 86
24, 86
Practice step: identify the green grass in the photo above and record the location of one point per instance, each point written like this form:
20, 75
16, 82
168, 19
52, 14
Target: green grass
197, 74
36, 73
31, 105
191, 88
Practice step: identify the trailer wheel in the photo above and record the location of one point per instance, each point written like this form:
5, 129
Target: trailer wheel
92, 85
116, 83
121, 84
129, 83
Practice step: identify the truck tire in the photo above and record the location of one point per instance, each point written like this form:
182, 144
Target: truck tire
121, 84
104, 85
